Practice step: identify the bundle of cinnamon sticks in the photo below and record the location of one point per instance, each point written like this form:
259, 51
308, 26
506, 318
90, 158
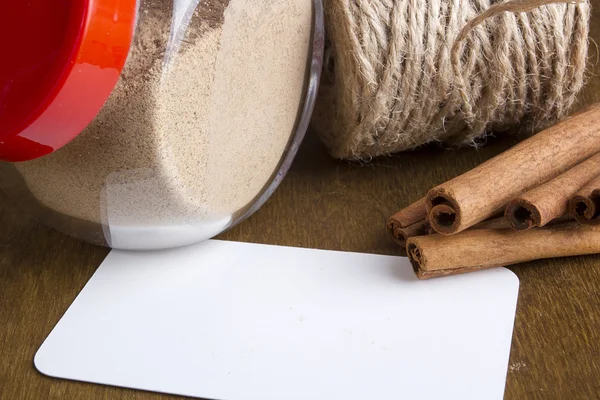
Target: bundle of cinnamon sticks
539, 199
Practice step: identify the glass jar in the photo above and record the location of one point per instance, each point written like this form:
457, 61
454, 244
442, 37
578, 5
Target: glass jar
160, 123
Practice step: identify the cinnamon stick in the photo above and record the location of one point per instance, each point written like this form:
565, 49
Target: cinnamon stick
503, 223
477, 194
410, 215
477, 249
584, 206
400, 235
494, 223
550, 200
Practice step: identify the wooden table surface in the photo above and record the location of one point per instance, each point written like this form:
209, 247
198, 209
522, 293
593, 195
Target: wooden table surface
322, 204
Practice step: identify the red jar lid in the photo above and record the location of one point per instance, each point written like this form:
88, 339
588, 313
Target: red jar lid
61, 60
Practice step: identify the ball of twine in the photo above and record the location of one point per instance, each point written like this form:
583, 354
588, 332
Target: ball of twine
402, 73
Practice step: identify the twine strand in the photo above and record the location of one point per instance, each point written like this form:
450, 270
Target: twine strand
408, 72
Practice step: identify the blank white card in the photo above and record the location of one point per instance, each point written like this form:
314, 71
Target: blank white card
238, 321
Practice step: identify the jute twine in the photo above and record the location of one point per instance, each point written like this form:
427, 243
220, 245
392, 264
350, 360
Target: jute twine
401, 73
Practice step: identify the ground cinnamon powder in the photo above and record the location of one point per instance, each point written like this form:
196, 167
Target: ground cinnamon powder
190, 135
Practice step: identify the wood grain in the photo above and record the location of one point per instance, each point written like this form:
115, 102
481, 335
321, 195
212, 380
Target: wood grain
322, 204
